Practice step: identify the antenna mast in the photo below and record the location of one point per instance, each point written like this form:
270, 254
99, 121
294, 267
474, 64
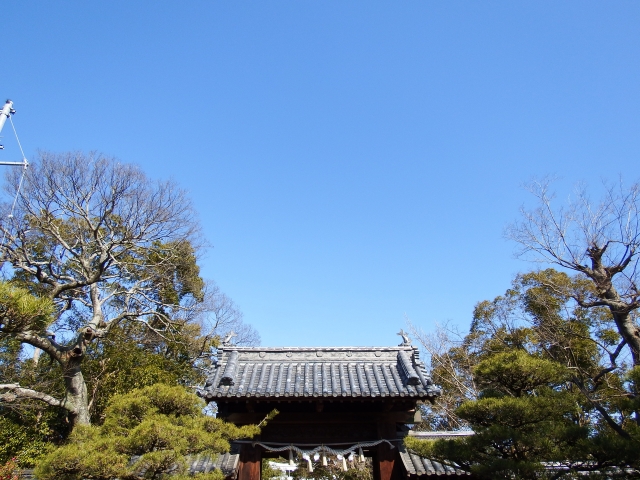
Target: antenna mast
6, 112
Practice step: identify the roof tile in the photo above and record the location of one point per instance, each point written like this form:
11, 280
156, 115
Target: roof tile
319, 372
421, 466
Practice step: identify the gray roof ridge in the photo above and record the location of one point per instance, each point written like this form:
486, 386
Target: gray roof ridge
314, 349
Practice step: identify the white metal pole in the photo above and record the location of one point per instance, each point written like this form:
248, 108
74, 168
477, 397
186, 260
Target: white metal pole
6, 111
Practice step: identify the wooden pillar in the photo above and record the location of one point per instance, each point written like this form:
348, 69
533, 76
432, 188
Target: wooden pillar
385, 466
250, 464
385, 462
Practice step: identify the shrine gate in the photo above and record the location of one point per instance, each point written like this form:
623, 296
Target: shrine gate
349, 400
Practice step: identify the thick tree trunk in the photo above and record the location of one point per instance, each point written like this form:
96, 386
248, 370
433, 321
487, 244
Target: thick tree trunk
76, 395
76, 398
603, 278
630, 332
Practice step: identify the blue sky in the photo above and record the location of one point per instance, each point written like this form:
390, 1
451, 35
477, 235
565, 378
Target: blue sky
352, 162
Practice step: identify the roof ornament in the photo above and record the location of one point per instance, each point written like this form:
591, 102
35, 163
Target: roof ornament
405, 338
227, 340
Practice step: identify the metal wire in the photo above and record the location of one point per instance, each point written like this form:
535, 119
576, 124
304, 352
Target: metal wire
24, 158
25, 164
15, 199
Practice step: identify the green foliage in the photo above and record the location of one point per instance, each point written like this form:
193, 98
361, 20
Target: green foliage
22, 311
10, 364
184, 277
26, 441
94, 243
26, 428
105, 259
215, 475
267, 472
518, 373
130, 357
521, 419
552, 387
270, 416
146, 434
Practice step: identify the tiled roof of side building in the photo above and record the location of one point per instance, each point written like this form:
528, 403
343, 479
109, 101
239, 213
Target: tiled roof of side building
319, 372
417, 466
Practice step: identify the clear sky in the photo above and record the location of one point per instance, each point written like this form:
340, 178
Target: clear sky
352, 162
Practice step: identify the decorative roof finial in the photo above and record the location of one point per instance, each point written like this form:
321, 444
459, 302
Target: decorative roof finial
405, 337
227, 340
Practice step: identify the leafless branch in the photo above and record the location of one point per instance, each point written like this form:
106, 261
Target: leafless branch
15, 391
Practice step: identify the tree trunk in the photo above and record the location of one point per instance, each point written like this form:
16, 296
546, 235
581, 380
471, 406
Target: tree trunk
630, 332
76, 392
620, 309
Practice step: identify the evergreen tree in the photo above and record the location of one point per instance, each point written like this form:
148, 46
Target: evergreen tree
147, 433
103, 244
553, 388
103, 295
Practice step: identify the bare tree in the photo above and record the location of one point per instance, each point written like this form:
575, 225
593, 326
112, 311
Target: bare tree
599, 240
451, 360
215, 319
104, 243
221, 316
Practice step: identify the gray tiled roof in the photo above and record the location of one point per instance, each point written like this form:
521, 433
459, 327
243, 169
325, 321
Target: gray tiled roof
225, 462
421, 466
319, 372
441, 435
